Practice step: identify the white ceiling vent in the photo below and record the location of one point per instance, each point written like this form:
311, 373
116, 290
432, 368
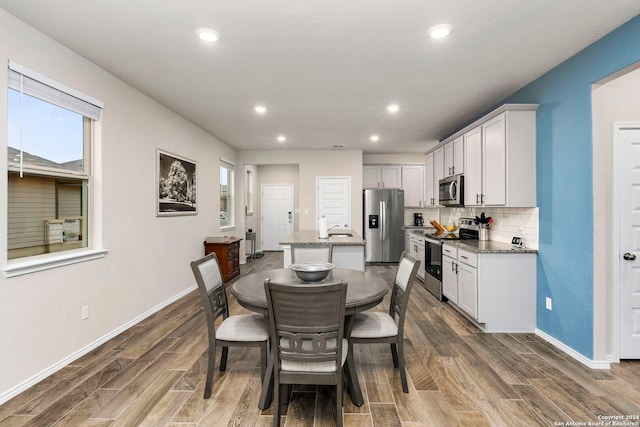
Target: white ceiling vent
338, 146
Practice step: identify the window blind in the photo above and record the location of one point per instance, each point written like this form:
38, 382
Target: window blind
35, 84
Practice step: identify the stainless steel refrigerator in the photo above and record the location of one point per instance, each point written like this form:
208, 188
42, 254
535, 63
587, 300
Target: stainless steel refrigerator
383, 224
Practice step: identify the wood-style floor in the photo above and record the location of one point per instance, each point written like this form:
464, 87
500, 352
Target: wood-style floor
153, 375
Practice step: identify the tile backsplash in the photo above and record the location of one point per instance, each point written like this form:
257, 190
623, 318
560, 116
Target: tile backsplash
508, 222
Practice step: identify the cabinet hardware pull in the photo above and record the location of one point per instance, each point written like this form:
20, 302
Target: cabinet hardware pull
629, 257
477, 198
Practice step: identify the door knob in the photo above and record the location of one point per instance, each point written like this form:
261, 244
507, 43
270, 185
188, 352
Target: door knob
629, 257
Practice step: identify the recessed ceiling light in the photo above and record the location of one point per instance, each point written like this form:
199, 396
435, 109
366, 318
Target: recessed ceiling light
393, 108
260, 109
374, 138
207, 35
282, 138
440, 31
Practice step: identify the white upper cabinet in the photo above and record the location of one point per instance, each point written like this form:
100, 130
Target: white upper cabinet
499, 157
429, 182
413, 185
434, 172
454, 157
385, 176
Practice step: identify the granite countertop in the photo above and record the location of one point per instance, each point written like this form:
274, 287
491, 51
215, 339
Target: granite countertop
311, 236
488, 247
427, 229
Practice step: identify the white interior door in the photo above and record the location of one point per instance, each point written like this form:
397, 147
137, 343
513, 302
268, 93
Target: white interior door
334, 200
277, 215
627, 142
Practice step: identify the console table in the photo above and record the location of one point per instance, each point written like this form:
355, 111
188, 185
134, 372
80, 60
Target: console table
227, 249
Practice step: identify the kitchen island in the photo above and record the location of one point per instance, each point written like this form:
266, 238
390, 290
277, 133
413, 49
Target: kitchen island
348, 246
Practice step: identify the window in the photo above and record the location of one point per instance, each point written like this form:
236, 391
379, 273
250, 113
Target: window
49, 153
226, 194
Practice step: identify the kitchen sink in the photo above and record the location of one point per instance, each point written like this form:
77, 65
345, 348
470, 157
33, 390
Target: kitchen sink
340, 235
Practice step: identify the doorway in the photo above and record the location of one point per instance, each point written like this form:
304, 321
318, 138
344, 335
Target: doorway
334, 201
277, 215
626, 188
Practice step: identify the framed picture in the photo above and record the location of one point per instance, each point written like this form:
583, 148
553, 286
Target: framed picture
176, 185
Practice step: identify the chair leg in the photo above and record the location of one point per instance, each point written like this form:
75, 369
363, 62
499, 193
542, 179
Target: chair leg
394, 354
211, 366
276, 403
263, 360
339, 404
223, 359
403, 373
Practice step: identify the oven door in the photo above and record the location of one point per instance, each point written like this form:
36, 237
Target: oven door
433, 258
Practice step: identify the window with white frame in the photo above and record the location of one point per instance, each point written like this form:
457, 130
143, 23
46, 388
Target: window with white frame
48, 162
226, 194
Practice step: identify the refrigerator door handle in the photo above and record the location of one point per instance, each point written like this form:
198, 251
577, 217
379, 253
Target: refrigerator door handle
383, 220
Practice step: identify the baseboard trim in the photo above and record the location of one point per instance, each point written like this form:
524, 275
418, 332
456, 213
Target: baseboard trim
14, 391
590, 363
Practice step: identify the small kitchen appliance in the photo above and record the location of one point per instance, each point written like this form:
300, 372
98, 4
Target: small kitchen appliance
433, 253
418, 220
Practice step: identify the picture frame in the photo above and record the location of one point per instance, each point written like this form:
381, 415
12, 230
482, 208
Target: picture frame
176, 190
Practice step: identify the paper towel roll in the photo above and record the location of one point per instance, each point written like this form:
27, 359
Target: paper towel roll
323, 228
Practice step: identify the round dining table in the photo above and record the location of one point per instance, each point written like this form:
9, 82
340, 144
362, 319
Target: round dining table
364, 290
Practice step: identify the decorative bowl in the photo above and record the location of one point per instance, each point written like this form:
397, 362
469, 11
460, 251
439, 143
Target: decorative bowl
451, 228
312, 271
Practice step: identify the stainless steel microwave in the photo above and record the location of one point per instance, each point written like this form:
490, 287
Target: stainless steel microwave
451, 191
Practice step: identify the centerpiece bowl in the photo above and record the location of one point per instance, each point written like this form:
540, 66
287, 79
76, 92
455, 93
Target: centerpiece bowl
312, 271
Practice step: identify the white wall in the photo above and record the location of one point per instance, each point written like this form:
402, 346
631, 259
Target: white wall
313, 163
615, 99
148, 259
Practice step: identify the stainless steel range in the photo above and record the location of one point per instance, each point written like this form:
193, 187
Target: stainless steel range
433, 253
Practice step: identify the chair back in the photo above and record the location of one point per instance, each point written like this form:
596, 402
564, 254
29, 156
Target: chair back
402, 285
307, 325
319, 252
211, 288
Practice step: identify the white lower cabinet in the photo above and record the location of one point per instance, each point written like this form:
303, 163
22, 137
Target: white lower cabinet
449, 277
417, 251
497, 291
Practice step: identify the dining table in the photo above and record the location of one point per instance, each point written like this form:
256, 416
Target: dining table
364, 291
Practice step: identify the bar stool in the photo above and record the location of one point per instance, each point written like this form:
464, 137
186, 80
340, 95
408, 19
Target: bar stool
251, 237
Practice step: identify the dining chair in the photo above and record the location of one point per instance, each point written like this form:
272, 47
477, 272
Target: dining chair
379, 327
306, 327
311, 252
243, 330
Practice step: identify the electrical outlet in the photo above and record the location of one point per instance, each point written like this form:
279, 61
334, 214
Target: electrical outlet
549, 304
85, 312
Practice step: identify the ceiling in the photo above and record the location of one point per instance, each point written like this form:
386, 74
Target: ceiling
326, 69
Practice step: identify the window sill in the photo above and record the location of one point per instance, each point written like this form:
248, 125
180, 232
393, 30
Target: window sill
45, 262
228, 228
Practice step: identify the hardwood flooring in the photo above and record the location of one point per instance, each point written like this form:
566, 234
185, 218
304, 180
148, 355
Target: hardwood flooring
153, 375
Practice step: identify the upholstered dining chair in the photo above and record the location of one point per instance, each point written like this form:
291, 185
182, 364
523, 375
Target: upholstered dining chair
379, 327
243, 330
306, 326
311, 252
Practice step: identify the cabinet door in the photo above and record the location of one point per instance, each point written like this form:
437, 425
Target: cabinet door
371, 176
429, 181
449, 279
458, 155
448, 159
473, 167
438, 171
391, 176
468, 290
420, 257
413, 185
494, 165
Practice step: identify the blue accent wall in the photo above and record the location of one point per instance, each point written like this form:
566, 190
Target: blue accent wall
564, 182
